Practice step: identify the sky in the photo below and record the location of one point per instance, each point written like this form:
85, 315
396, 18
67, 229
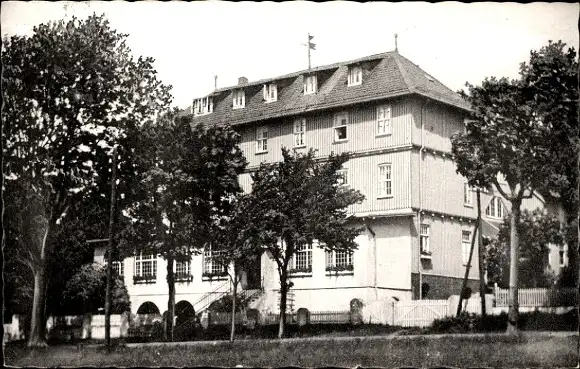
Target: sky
192, 42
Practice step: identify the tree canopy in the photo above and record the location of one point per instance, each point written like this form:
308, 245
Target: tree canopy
70, 92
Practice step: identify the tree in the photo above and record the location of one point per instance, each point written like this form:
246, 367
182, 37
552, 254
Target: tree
536, 230
191, 174
296, 202
70, 91
85, 291
232, 241
510, 137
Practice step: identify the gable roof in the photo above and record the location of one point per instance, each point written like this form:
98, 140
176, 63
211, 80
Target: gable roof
385, 76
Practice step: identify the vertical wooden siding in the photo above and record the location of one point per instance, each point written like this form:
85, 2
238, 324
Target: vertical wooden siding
439, 123
320, 133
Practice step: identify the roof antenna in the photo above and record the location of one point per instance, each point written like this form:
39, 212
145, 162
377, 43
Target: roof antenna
396, 48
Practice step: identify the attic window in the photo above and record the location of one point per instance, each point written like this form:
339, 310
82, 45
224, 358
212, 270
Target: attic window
310, 84
354, 75
202, 106
270, 92
239, 99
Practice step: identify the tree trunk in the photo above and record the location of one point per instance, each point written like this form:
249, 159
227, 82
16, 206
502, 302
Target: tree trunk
283, 295
234, 298
171, 299
37, 336
480, 254
513, 313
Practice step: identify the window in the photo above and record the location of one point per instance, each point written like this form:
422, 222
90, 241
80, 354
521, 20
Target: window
299, 131
262, 139
465, 246
203, 106
118, 265
354, 75
467, 195
145, 267
310, 84
383, 120
342, 177
210, 266
239, 99
270, 92
562, 258
424, 239
339, 261
182, 269
385, 181
495, 208
302, 259
340, 123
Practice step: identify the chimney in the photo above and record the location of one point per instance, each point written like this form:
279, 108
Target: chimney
242, 81
215, 82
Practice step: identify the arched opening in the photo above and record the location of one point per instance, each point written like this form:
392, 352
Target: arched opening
183, 312
148, 308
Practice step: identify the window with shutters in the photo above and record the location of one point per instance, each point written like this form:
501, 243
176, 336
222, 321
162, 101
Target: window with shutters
339, 261
239, 99
301, 261
310, 84
424, 239
354, 75
270, 92
145, 268
202, 106
383, 120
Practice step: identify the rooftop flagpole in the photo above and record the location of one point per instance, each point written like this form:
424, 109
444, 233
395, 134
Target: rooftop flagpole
310, 46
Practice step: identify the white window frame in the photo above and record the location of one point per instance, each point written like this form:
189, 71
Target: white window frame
385, 184
238, 99
297, 258
182, 263
495, 209
340, 122
300, 132
270, 92
261, 139
465, 245
424, 230
118, 266
345, 256
384, 126
467, 195
310, 84
354, 75
202, 106
143, 259
209, 267
343, 173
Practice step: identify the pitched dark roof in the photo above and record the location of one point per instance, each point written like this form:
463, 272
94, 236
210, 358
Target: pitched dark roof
385, 76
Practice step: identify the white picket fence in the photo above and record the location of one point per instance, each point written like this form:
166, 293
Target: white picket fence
538, 297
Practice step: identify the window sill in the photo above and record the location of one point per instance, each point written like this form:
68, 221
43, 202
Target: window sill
299, 147
300, 275
201, 114
383, 134
261, 152
310, 93
237, 107
354, 84
385, 197
426, 256
468, 205
339, 273
340, 141
269, 101
211, 279
145, 281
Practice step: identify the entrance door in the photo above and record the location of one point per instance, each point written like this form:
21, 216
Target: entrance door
254, 270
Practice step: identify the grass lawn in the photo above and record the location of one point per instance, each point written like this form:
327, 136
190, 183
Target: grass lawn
530, 350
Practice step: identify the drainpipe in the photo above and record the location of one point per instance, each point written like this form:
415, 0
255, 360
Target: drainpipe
375, 257
421, 196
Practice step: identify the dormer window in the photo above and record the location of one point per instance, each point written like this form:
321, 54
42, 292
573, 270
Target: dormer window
310, 84
354, 75
239, 99
270, 92
203, 106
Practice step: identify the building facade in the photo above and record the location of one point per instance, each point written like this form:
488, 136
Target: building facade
419, 215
